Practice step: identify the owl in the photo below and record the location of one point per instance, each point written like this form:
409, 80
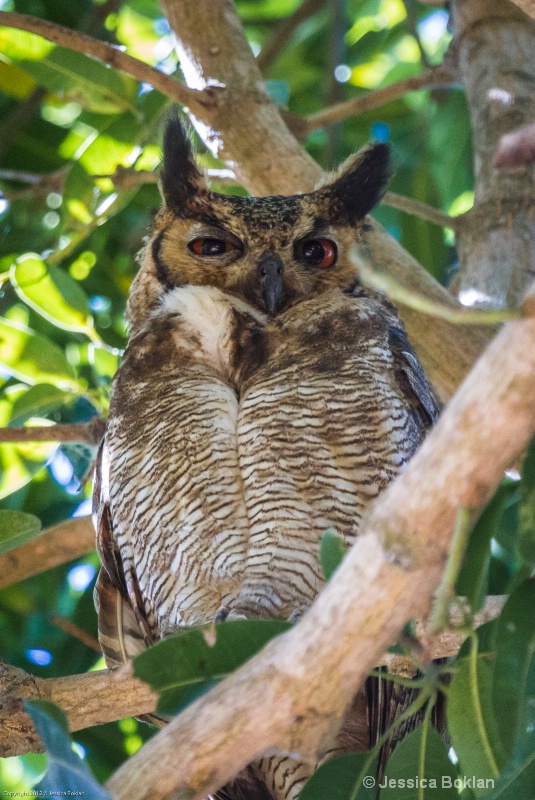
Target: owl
265, 395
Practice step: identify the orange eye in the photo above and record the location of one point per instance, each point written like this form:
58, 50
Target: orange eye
319, 253
208, 246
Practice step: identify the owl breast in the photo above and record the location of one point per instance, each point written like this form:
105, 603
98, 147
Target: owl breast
267, 433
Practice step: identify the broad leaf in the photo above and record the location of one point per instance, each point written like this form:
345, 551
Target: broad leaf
332, 552
66, 773
33, 358
513, 688
194, 657
420, 767
17, 528
38, 400
471, 721
343, 778
526, 515
52, 293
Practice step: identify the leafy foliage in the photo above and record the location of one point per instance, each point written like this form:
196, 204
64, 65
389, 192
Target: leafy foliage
69, 233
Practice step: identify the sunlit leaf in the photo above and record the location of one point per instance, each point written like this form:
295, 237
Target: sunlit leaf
52, 293
33, 358
15, 82
77, 77
66, 772
17, 44
38, 400
17, 528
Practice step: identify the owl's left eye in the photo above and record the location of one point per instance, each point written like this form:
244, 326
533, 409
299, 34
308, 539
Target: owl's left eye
318, 253
209, 246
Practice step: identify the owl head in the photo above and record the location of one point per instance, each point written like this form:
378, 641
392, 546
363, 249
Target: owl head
271, 252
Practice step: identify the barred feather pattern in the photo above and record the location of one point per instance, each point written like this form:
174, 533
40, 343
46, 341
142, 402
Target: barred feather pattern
233, 442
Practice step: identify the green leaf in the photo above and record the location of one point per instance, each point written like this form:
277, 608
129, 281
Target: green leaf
66, 772
52, 293
17, 528
526, 514
471, 721
473, 578
420, 767
332, 552
192, 657
33, 358
77, 77
337, 779
516, 781
38, 400
513, 687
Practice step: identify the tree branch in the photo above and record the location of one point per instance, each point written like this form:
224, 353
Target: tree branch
90, 699
283, 31
57, 545
527, 6
280, 701
105, 696
89, 432
419, 209
82, 43
431, 78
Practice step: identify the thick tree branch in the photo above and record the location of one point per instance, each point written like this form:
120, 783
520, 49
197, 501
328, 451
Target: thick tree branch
527, 6
496, 242
90, 699
280, 701
57, 545
432, 78
89, 432
82, 43
106, 696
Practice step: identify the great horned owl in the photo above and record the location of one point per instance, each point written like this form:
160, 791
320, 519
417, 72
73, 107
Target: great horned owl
264, 396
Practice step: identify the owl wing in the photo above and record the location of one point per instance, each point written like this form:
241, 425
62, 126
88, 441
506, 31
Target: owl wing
122, 630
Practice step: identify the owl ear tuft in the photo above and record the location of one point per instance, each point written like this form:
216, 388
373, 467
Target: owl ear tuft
181, 179
360, 183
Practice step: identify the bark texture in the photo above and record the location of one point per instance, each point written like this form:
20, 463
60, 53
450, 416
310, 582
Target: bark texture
496, 46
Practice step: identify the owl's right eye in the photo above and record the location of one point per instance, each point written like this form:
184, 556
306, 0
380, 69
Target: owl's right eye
209, 246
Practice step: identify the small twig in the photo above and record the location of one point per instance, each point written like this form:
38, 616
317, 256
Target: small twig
283, 32
419, 209
398, 293
20, 177
75, 630
438, 76
516, 149
65, 37
39, 184
88, 432
412, 23
129, 178
445, 591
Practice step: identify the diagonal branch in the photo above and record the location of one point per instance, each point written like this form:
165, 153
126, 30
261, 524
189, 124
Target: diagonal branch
430, 79
57, 545
283, 32
527, 6
65, 37
419, 209
280, 701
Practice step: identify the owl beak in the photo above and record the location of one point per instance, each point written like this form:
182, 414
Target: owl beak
270, 269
